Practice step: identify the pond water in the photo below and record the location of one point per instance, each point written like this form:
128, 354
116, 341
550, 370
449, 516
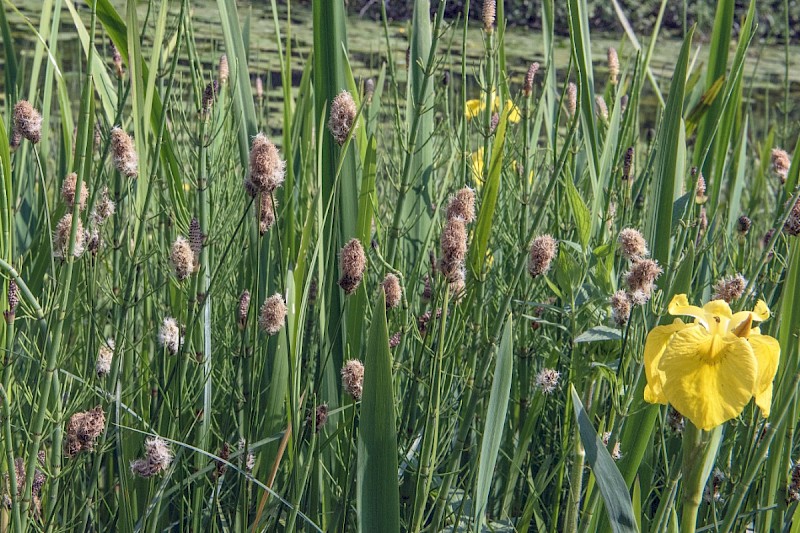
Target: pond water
766, 68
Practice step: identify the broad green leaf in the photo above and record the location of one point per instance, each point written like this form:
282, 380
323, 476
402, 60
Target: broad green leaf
599, 333
580, 213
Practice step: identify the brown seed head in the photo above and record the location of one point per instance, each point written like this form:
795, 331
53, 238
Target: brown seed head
266, 213
627, 164
243, 310
353, 378
781, 163
743, 224
601, 108
543, 250
182, 258
352, 262
792, 224
116, 58
170, 336
13, 296
527, 87
547, 380
730, 289
267, 169
27, 121
489, 11
453, 245
104, 208
105, 355
620, 308
224, 72
572, 99
61, 238
462, 205
196, 240
700, 191
640, 279
392, 290
68, 191
209, 95
157, 459
318, 418
83, 430
125, 159
343, 116
394, 340
632, 244
613, 66
273, 314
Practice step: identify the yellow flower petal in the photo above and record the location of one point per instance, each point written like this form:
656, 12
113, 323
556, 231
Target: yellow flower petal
708, 378
680, 306
473, 108
768, 353
718, 308
476, 162
514, 115
654, 347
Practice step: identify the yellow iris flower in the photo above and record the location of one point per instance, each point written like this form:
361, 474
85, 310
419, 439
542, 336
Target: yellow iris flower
475, 107
710, 369
476, 162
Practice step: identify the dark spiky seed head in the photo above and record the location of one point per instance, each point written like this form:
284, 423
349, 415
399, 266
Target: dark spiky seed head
243, 310
318, 418
353, 378
792, 224
343, 116
267, 169
209, 95
743, 224
196, 239
13, 295
27, 121
527, 87
543, 250
462, 204
273, 314
392, 290
125, 159
627, 165
642, 275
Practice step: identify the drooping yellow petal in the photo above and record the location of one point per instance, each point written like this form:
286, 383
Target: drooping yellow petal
654, 346
708, 378
718, 308
473, 108
680, 306
514, 115
761, 311
476, 162
768, 354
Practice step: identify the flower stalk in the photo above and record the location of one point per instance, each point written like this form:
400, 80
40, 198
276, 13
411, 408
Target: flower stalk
699, 453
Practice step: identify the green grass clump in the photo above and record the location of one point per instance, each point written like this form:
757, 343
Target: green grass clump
420, 303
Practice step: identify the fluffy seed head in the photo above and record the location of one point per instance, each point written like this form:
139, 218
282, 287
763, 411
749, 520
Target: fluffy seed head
318, 418
243, 310
392, 290
743, 224
394, 340
453, 245
620, 308
68, 191
352, 262
601, 108
182, 258
27, 121
125, 159
613, 66
343, 116
105, 354
527, 87
458, 285
462, 205
700, 191
61, 238
83, 430
369, 89
547, 380
640, 279
266, 166
632, 244
273, 314
781, 163
104, 208
489, 11
792, 224
353, 378
224, 72
543, 251
157, 458
793, 490
170, 336
266, 213
730, 289
572, 99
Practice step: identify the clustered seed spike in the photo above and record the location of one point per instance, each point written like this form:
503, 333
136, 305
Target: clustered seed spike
196, 240
712, 493
700, 190
83, 429
632, 244
68, 191
39, 479
61, 238
105, 355
627, 165
620, 307
781, 163
613, 66
125, 159
730, 289
266, 213
223, 69
243, 310
104, 208
182, 258
221, 463
543, 250
547, 380
792, 224
392, 290
170, 335
453, 244
27, 124
248, 462
793, 490
343, 116
209, 95
601, 108
352, 262
572, 99
369, 89
157, 458
117, 59
267, 169
259, 88
394, 340
527, 87
318, 418
462, 205
353, 378
640, 279
13, 296
273, 314
489, 11
743, 224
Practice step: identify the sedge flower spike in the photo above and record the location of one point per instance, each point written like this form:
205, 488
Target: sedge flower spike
709, 369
